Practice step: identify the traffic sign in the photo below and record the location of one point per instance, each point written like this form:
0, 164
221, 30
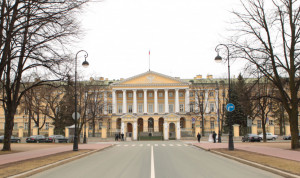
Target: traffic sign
230, 107
193, 120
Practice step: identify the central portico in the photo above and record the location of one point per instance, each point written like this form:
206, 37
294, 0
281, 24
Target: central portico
150, 103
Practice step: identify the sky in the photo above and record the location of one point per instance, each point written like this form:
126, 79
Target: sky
180, 34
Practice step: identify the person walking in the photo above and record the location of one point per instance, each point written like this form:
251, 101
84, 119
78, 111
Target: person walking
214, 136
122, 135
199, 137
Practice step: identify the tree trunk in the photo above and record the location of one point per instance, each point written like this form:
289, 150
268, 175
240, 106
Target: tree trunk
9, 124
294, 127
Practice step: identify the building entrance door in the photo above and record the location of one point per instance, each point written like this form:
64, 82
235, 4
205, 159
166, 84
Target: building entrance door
129, 130
172, 133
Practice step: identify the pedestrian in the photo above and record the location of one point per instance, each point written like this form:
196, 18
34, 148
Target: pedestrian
199, 137
214, 136
116, 137
122, 135
119, 136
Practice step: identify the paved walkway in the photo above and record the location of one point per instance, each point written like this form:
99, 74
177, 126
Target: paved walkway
270, 151
20, 156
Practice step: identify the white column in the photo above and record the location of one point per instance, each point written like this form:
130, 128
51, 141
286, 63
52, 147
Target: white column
176, 100
105, 103
217, 102
124, 102
135, 130
166, 131
166, 101
187, 100
134, 102
123, 127
206, 102
145, 102
178, 130
197, 97
114, 102
155, 101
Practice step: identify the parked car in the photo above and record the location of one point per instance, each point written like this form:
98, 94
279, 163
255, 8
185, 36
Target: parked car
13, 139
36, 139
287, 137
251, 138
57, 138
269, 136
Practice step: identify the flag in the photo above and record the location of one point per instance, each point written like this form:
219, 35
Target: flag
149, 52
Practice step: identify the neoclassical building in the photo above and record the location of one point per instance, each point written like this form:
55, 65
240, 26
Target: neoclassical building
153, 104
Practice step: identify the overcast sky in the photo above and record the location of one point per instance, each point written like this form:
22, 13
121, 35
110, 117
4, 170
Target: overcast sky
181, 35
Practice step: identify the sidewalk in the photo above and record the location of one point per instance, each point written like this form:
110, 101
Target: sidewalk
20, 156
265, 150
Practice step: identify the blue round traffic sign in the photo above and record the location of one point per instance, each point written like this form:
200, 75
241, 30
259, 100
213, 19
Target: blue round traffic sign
230, 107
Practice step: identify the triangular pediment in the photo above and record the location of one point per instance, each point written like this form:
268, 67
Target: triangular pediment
172, 116
151, 78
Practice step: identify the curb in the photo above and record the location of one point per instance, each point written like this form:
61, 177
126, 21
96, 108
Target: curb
32, 171
253, 164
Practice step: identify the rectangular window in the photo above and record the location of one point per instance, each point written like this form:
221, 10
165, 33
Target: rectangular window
160, 94
212, 107
47, 125
140, 95
201, 93
26, 126
201, 107
150, 108
129, 108
129, 95
258, 123
15, 126
110, 95
150, 94
200, 124
140, 108
90, 126
171, 94
120, 95
160, 108
191, 94
181, 108
191, 108
180, 94
171, 108
100, 125
109, 109
211, 93
271, 122
212, 124
120, 107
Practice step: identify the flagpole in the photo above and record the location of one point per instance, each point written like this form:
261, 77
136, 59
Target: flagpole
149, 60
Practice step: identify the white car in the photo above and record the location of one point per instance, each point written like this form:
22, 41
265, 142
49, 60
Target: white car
269, 136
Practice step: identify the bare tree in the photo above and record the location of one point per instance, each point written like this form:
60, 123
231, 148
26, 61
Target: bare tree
33, 38
267, 36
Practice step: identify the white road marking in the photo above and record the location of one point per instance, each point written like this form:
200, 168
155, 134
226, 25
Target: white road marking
141, 144
125, 145
186, 145
152, 164
148, 144
118, 145
133, 145
178, 145
171, 144
163, 145
155, 144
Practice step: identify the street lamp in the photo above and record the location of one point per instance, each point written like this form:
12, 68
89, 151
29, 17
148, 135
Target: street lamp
218, 59
219, 134
84, 64
84, 135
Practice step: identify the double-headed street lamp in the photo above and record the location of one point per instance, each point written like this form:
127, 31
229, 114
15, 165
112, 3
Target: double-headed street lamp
84, 64
218, 59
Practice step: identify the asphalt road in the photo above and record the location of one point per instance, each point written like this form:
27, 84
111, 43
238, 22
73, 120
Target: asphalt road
155, 159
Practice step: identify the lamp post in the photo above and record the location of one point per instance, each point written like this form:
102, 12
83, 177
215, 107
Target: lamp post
84, 135
218, 110
218, 59
84, 64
